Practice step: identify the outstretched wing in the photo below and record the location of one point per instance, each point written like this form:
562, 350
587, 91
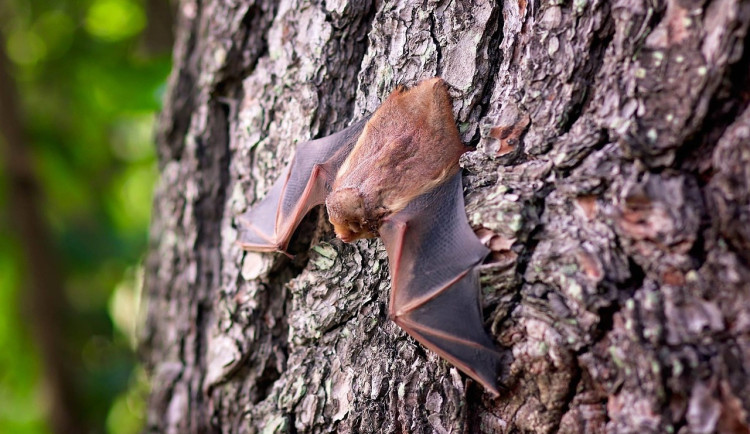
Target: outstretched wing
433, 254
269, 225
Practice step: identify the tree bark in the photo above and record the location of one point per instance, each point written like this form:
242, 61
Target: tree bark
611, 178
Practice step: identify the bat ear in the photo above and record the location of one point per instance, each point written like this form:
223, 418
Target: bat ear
440, 93
399, 89
437, 82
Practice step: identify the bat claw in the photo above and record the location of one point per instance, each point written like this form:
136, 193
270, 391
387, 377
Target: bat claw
287, 254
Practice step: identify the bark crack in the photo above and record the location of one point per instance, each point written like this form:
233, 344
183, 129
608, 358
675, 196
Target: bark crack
585, 88
436, 41
570, 395
493, 38
728, 101
174, 121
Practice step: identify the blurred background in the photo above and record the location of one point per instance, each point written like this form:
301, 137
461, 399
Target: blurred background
80, 84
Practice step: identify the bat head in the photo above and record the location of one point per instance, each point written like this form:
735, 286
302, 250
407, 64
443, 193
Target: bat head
346, 211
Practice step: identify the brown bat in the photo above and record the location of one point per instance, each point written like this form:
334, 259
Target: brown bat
396, 176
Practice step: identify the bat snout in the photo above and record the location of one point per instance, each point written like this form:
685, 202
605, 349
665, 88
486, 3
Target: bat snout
345, 233
351, 231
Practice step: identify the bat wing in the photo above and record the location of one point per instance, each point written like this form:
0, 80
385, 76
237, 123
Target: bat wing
306, 181
433, 254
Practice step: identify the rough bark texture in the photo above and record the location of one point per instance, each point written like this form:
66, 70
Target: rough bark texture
611, 177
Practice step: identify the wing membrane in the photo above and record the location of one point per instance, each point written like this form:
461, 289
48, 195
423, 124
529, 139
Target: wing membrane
434, 286
269, 225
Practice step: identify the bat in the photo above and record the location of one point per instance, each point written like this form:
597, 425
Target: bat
395, 175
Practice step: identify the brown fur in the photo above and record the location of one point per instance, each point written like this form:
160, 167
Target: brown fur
409, 146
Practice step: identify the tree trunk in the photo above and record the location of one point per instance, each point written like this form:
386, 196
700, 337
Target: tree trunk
611, 178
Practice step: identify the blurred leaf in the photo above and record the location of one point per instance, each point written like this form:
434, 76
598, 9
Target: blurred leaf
25, 46
131, 201
127, 413
56, 30
115, 20
124, 305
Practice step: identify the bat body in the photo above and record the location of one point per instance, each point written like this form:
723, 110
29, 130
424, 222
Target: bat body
396, 176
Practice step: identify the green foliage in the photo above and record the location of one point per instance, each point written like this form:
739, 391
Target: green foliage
88, 93
20, 409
